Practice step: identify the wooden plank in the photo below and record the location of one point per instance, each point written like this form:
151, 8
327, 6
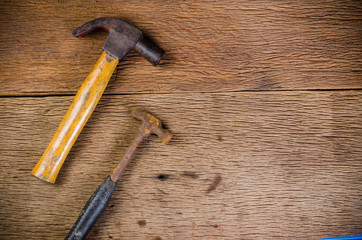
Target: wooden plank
211, 46
263, 165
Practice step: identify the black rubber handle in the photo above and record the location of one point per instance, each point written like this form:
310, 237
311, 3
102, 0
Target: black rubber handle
93, 209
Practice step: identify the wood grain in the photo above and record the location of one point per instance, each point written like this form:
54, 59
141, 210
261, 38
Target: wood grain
244, 163
211, 46
249, 165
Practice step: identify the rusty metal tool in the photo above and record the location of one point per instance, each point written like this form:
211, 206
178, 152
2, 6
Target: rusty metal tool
121, 39
98, 202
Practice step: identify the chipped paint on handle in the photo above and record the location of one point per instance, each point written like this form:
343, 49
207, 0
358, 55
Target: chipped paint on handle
74, 120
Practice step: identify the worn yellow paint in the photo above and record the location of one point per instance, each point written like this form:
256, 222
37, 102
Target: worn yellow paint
74, 120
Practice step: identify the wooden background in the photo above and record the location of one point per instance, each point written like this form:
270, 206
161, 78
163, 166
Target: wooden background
264, 99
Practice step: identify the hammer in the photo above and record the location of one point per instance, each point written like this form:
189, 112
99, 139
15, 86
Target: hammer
98, 202
121, 39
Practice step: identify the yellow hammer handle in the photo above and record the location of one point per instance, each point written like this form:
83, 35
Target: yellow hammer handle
74, 120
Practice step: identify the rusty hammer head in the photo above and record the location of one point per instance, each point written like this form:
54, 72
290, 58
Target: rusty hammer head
122, 38
151, 124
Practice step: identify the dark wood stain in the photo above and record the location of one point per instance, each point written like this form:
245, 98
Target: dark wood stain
215, 183
142, 223
161, 191
163, 177
190, 174
158, 238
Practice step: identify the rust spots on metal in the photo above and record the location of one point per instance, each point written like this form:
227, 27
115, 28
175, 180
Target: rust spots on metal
214, 183
150, 124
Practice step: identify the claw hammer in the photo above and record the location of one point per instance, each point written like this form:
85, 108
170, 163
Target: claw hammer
121, 39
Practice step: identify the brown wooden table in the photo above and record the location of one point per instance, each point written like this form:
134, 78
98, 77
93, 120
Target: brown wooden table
264, 99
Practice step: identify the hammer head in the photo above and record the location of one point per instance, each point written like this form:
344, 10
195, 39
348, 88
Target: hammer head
122, 38
151, 124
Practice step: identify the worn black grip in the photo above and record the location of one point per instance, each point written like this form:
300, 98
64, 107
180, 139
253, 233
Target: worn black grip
94, 208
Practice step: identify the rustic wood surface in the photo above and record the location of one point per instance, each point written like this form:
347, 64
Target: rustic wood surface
241, 166
210, 46
264, 99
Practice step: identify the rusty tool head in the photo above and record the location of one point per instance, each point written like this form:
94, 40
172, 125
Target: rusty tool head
151, 124
97, 203
122, 38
